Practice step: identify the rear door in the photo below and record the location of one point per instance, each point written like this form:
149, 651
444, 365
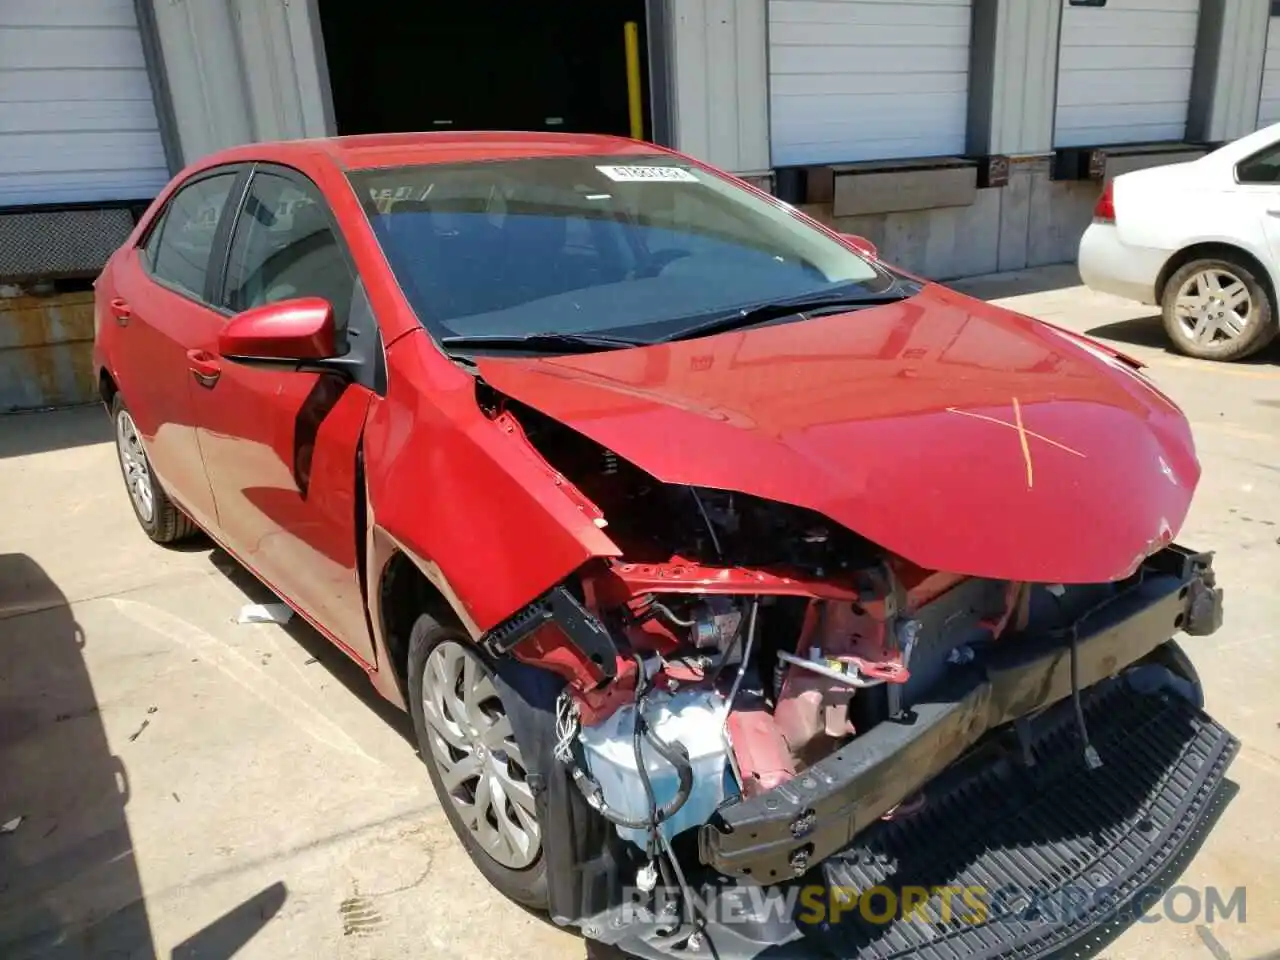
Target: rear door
1258, 185
161, 307
281, 447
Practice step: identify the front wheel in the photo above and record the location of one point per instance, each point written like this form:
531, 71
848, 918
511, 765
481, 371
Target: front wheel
478, 770
1218, 309
158, 517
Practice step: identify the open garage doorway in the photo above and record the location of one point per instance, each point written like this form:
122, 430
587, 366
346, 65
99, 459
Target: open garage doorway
405, 65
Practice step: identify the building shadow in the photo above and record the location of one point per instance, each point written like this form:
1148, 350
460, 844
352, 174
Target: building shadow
1017, 283
23, 434
70, 886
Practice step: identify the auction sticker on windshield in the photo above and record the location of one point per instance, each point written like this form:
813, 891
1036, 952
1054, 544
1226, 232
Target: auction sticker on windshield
639, 174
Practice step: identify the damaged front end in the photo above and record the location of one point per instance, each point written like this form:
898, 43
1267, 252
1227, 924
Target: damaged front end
750, 694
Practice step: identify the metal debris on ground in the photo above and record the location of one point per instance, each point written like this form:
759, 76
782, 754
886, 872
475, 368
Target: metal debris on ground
265, 613
11, 825
137, 733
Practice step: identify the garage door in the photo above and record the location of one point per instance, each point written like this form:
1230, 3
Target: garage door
867, 80
77, 120
1269, 106
1124, 71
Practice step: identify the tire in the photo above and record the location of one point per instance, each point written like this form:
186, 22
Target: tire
159, 518
1231, 322
479, 733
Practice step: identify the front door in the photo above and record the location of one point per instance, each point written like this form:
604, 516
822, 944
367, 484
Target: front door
281, 447
159, 300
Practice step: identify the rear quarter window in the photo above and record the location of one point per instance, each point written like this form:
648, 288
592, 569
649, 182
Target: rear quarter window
1262, 167
184, 238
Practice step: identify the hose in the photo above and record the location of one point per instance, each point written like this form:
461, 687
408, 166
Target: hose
675, 754
641, 768
669, 615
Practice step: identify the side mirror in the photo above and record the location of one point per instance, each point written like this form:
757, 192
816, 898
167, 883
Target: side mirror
287, 333
861, 244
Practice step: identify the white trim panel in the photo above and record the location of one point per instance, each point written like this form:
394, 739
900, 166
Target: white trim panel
854, 80
1124, 72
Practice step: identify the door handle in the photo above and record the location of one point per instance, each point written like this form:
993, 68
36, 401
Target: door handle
204, 367
123, 313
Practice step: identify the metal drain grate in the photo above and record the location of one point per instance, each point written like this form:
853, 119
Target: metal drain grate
1026, 835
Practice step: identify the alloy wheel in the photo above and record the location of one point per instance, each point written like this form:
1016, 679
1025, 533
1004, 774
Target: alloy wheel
137, 473
1213, 307
474, 750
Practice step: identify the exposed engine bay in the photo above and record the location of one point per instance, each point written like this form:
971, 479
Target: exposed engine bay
753, 639
755, 695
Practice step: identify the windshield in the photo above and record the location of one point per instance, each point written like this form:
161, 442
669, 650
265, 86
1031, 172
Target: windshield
584, 245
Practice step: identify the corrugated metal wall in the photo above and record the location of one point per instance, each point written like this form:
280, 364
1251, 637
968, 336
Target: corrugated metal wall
1269, 103
1124, 71
77, 119
867, 80
1231, 47
720, 86
1020, 78
243, 70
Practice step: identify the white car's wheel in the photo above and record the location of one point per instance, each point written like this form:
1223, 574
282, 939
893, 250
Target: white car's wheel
1216, 309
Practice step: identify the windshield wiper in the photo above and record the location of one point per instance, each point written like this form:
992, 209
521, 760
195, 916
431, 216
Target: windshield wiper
569, 342
777, 310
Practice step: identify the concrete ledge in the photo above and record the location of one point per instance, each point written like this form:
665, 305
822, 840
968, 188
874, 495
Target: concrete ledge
861, 189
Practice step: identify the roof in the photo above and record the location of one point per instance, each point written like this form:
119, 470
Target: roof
398, 149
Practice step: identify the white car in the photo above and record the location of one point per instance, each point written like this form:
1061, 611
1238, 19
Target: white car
1202, 240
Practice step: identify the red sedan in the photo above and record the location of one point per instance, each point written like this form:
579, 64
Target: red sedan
712, 556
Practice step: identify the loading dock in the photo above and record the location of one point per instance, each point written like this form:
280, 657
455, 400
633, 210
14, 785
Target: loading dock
488, 66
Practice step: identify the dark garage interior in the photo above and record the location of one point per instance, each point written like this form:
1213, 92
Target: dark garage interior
401, 65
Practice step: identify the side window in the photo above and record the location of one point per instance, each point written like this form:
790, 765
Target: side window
1262, 167
185, 236
283, 247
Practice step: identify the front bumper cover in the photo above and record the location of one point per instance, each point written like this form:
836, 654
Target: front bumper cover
779, 834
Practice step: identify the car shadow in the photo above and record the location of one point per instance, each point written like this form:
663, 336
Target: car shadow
70, 886
27, 433
325, 654
1149, 332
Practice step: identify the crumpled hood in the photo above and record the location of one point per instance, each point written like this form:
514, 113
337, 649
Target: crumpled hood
959, 435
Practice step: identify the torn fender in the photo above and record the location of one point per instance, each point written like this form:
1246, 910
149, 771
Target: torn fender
466, 496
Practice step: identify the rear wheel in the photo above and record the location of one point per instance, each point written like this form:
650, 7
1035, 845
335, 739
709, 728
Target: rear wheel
476, 766
1218, 309
158, 517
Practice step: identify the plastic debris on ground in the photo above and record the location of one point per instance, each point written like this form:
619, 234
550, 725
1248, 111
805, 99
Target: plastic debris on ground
265, 613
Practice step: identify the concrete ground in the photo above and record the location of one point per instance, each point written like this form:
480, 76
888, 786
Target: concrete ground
191, 787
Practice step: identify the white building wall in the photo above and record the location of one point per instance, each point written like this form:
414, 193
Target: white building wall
867, 80
1125, 71
77, 117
